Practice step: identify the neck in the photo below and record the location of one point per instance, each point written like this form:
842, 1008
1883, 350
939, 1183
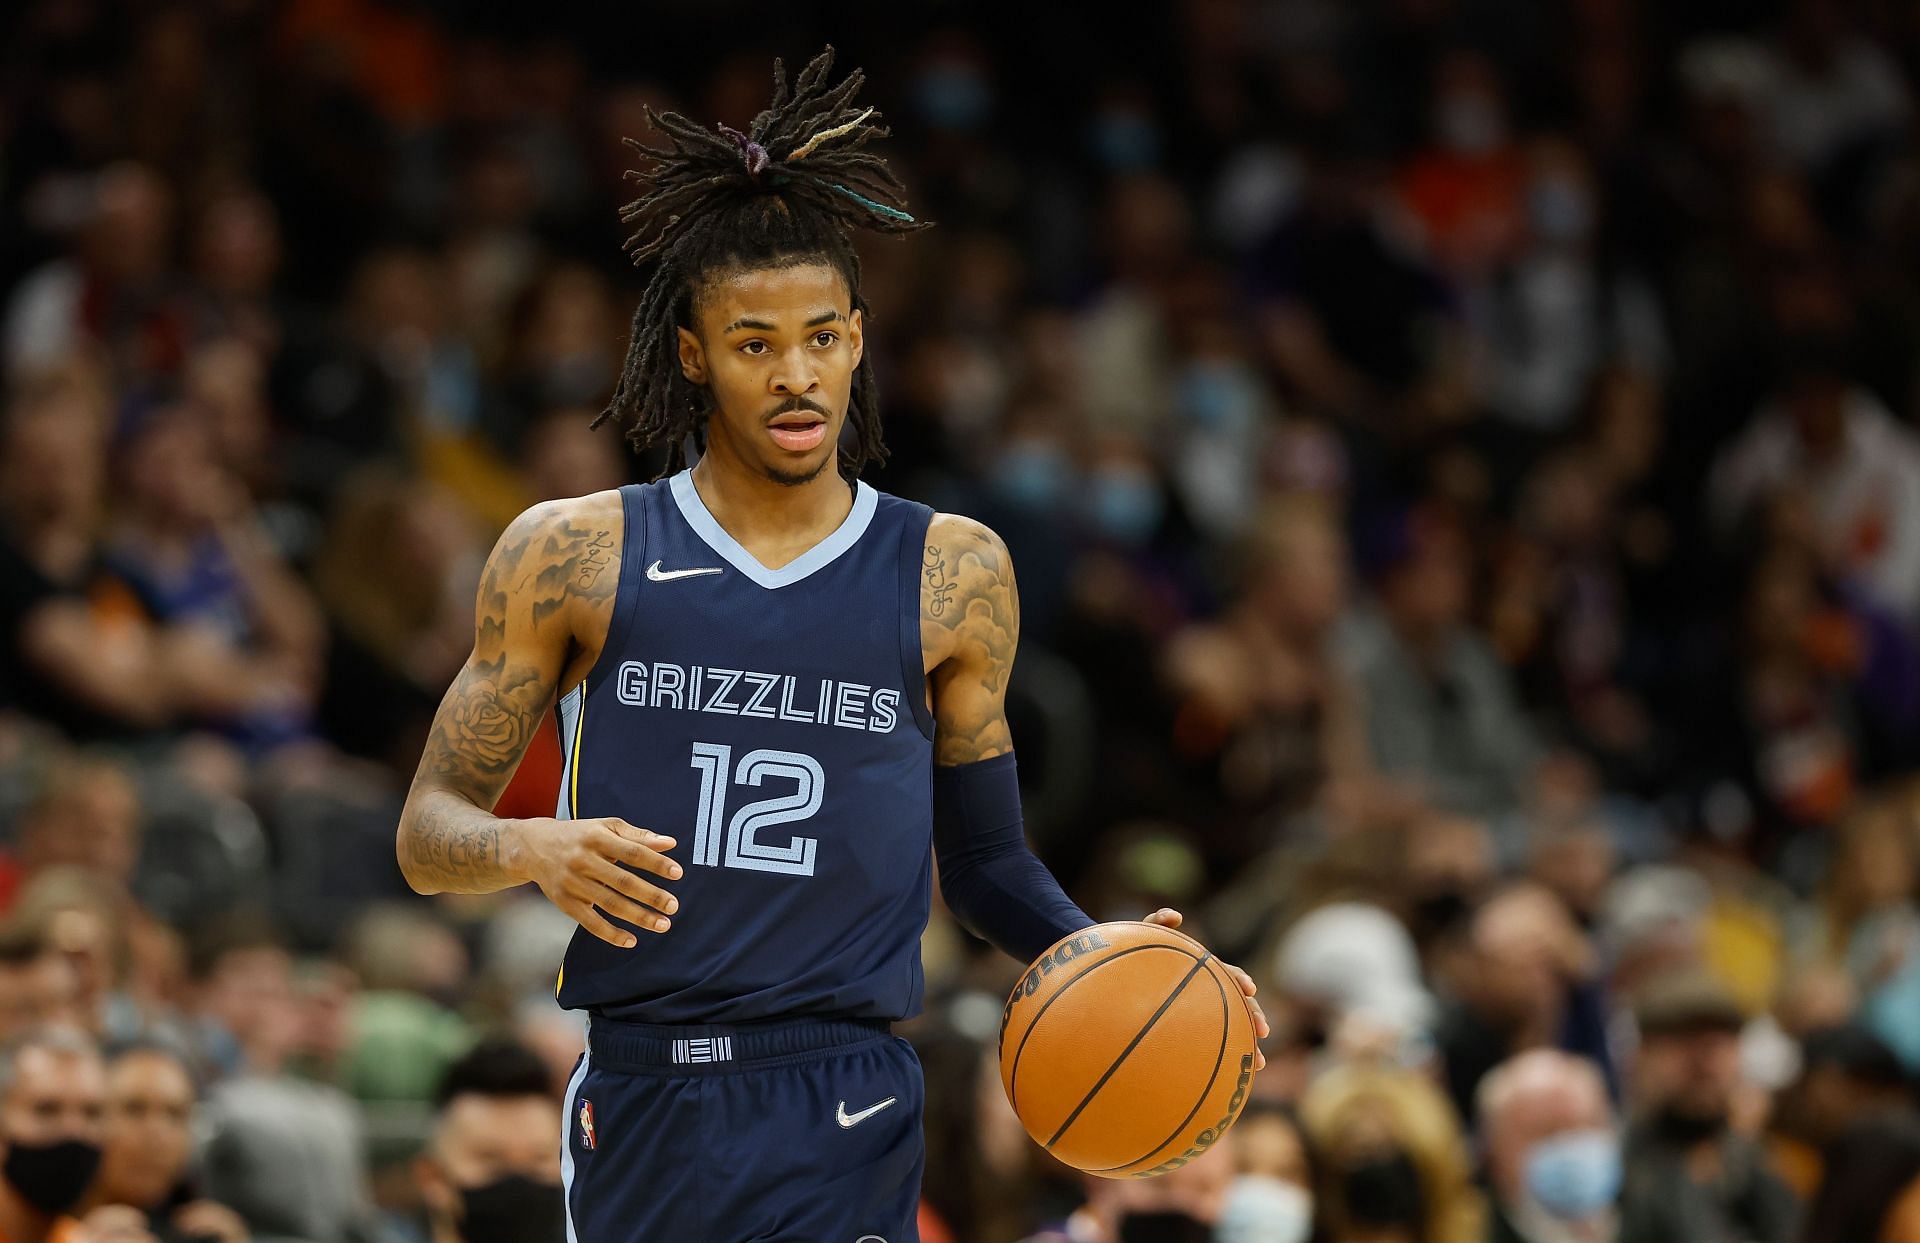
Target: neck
20, 1222
755, 509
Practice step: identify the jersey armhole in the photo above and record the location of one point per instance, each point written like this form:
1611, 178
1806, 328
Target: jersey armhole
626, 600
913, 664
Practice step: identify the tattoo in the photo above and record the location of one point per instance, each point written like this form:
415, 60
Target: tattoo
546, 567
595, 557
939, 582
970, 619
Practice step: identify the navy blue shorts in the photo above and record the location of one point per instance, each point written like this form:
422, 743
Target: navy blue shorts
798, 1132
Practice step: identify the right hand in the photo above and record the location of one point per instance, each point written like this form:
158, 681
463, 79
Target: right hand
576, 863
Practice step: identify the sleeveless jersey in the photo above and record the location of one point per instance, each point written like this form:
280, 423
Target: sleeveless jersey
774, 723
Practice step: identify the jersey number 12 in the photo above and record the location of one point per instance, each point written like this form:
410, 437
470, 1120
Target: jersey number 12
743, 849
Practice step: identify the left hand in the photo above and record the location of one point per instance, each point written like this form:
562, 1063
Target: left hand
1167, 917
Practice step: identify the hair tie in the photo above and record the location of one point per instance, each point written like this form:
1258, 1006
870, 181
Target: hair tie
754, 154
891, 212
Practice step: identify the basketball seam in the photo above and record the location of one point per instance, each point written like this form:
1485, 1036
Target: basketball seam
1226, 1029
1138, 1036
1013, 1072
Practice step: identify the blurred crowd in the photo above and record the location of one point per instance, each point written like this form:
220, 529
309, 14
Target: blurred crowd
1461, 457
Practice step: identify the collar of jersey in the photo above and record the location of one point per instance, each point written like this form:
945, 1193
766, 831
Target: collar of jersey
708, 528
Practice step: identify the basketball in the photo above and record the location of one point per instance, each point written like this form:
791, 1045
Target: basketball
1126, 1049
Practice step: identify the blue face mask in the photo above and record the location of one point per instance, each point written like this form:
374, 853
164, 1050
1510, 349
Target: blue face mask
1031, 476
1575, 1175
953, 97
1125, 505
1219, 395
1125, 142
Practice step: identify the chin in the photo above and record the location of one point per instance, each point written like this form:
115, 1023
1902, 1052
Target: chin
793, 477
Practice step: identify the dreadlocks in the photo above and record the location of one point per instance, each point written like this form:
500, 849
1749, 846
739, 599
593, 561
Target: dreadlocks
786, 192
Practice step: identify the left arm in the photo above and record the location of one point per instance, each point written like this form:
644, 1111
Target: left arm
969, 628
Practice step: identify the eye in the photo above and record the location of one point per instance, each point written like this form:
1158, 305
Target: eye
825, 338
754, 347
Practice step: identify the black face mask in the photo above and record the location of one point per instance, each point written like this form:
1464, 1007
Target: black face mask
51, 1177
1163, 1228
1684, 1129
514, 1209
1383, 1192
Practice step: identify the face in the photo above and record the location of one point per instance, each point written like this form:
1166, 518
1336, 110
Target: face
148, 1129
776, 349
483, 1139
56, 1095
1536, 1112
1693, 1074
33, 993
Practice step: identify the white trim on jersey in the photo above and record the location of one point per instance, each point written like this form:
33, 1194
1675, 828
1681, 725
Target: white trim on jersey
568, 711
566, 1141
708, 528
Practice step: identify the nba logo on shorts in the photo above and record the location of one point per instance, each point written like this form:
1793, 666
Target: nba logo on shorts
586, 1124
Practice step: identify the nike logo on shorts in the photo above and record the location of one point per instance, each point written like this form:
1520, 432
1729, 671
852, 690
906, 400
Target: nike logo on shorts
849, 1121
657, 575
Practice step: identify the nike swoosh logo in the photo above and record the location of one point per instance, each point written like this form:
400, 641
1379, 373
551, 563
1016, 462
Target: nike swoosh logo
657, 575
850, 1121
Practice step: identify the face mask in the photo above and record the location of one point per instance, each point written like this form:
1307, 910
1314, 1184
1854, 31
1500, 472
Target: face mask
514, 1209
1383, 1192
1561, 210
1032, 476
1125, 142
1265, 1210
1576, 1175
1125, 505
1163, 1228
953, 97
1219, 396
51, 1177
1684, 1129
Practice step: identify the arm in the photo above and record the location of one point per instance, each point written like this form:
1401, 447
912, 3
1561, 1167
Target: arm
970, 622
548, 573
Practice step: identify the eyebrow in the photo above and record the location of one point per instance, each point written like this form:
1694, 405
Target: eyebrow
761, 325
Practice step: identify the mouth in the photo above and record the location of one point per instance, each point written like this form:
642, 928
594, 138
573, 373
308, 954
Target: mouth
797, 431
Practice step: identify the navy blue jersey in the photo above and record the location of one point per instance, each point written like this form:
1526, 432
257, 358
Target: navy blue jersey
774, 723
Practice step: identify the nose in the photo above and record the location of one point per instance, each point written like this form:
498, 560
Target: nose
796, 375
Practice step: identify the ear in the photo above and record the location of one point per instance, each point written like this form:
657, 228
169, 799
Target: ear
856, 335
435, 1191
693, 358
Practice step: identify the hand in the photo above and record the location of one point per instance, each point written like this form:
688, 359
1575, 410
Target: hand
1167, 917
205, 1219
576, 863
115, 1223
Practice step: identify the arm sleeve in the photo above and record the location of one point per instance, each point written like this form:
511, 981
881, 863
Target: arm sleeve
991, 881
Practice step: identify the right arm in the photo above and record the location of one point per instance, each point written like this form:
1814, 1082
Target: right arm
548, 573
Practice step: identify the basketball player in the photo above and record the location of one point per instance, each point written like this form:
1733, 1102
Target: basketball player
777, 688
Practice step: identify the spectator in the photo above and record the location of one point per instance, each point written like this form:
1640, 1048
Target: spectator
491, 1171
148, 1146
1181, 1206
1271, 1197
52, 1105
1690, 1174
1394, 1165
1440, 711
1552, 1150
36, 983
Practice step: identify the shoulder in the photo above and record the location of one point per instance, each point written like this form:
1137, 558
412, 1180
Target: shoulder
565, 516
957, 536
558, 551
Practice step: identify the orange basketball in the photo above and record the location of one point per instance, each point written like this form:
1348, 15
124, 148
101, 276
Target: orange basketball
1126, 1049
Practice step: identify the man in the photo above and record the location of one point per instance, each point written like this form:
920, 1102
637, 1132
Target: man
779, 691
1552, 1150
36, 982
1690, 1177
53, 1093
491, 1172
147, 1144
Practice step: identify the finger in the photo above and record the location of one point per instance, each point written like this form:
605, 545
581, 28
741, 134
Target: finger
1165, 917
621, 881
1241, 978
620, 906
634, 833
645, 855
596, 923
1259, 1059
